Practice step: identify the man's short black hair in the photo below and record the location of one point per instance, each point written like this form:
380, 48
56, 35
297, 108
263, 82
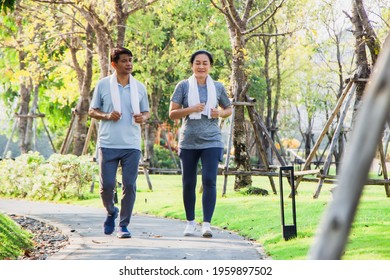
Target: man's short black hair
116, 53
201, 52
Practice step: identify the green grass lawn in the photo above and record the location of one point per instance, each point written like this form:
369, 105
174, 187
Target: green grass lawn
259, 218
13, 240
255, 217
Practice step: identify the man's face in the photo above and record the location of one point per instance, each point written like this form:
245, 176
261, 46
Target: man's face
124, 65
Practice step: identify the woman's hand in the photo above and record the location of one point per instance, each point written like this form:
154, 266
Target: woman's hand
215, 113
198, 107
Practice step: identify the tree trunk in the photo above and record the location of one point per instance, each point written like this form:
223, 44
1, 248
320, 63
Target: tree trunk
308, 137
361, 57
31, 131
340, 147
85, 81
278, 81
268, 117
104, 47
103, 37
153, 125
121, 19
238, 82
24, 90
239, 35
372, 40
151, 128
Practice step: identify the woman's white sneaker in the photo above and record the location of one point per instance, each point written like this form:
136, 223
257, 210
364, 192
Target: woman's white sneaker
190, 228
206, 230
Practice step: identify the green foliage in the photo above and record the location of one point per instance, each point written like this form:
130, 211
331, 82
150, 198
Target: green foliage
13, 240
164, 158
253, 191
162, 38
70, 175
59, 177
21, 176
46, 61
7, 5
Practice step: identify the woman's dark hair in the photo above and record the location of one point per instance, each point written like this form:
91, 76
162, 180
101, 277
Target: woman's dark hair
201, 52
116, 53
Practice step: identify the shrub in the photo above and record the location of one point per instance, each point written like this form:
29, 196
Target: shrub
59, 177
164, 158
20, 175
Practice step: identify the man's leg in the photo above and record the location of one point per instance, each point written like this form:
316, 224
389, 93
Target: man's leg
129, 162
108, 161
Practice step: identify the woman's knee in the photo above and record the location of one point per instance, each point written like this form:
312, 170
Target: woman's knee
209, 181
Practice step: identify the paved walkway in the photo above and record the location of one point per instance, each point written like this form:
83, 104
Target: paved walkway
152, 238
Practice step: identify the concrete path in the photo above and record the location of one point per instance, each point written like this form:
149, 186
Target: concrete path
153, 238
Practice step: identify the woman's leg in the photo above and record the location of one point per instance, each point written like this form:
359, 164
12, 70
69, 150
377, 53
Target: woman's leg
210, 159
189, 163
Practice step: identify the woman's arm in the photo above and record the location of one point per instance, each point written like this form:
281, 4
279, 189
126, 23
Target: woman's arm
176, 111
221, 112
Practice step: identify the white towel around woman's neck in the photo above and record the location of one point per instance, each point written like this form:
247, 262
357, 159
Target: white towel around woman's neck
116, 100
193, 96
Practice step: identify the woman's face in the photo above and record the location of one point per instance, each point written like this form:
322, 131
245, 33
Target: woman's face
201, 66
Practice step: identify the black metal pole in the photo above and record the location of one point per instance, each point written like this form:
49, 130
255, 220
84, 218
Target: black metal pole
289, 231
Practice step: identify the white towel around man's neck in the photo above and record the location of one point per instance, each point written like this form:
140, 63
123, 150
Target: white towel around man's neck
193, 96
116, 100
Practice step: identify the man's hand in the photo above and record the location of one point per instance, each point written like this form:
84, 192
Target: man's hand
113, 116
139, 118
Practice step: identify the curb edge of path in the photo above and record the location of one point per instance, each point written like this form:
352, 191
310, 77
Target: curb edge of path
75, 240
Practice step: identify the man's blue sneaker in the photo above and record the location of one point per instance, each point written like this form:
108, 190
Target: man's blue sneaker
109, 223
123, 232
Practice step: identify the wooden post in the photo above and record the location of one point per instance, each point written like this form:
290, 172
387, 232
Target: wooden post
335, 227
384, 167
283, 152
258, 127
145, 170
386, 145
48, 135
227, 160
65, 145
88, 138
144, 165
334, 141
258, 121
325, 130
10, 138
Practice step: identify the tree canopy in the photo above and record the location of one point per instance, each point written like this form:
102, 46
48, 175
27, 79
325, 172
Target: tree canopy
293, 62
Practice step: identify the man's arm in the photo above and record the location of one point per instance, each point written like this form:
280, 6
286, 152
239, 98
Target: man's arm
141, 118
99, 115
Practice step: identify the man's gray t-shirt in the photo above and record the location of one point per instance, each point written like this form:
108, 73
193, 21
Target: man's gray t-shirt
200, 133
121, 134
